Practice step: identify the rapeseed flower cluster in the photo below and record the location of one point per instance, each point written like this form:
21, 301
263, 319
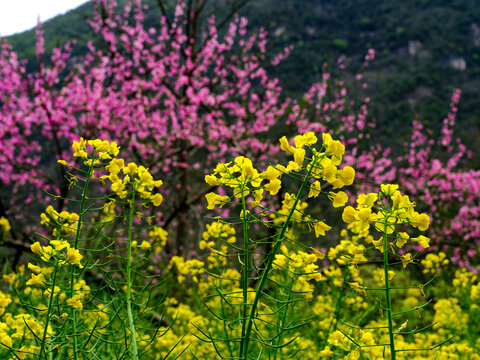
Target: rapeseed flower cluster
387, 210
301, 267
246, 181
434, 263
191, 268
99, 150
60, 250
296, 271
159, 236
217, 238
124, 176
64, 222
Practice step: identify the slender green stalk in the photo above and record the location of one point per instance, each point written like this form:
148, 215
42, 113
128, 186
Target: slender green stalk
334, 322
387, 291
131, 322
81, 213
268, 265
225, 329
49, 310
284, 317
243, 343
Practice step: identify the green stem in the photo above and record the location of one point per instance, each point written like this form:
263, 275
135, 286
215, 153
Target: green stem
336, 315
284, 317
81, 213
131, 322
225, 329
49, 310
244, 341
387, 291
268, 265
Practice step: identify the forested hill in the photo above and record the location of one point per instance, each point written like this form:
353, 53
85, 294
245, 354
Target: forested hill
425, 49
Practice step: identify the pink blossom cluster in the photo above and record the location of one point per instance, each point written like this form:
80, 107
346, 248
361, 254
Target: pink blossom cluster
176, 100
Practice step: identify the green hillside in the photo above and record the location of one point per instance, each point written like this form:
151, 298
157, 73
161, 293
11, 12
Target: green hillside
418, 44
57, 31
425, 49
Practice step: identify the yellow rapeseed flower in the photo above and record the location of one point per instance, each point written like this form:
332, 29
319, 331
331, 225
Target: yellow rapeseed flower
421, 221
36, 280
157, 199
285, 146
423, 241
320, 228
215, 199
314, 189
273, 186
338, 199
74, 257
5, 224
75, 302
79, 149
